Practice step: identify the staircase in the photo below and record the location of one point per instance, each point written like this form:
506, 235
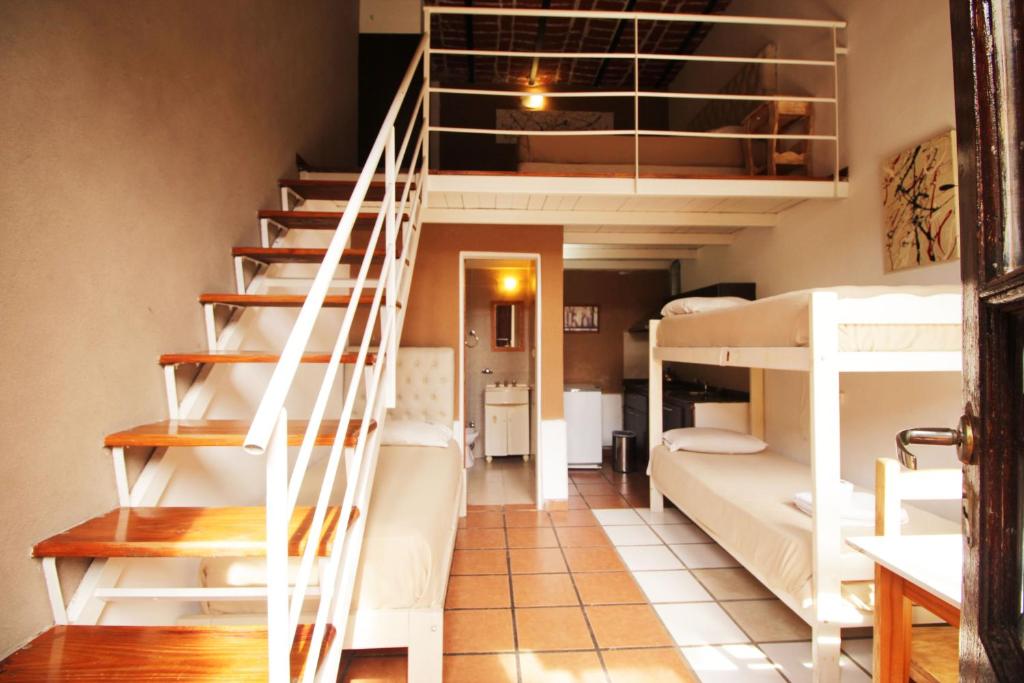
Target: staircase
377, 232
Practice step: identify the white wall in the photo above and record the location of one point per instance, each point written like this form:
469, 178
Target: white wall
898, 90
390, 16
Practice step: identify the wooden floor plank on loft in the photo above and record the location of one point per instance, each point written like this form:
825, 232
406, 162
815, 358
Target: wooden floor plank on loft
204, 357
122, 654
199, 433
183, 532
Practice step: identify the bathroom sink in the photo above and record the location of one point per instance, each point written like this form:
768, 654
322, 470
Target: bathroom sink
501, 396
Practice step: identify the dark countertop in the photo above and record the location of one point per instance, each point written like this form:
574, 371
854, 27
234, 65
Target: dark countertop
687, 391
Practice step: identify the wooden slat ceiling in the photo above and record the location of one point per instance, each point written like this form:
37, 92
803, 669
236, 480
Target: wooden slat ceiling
565, 35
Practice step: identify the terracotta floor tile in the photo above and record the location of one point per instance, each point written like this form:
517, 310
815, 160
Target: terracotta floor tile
627, 626
543, 590
587, 476
527, 518
465, 562
603, 502
532, 537
481, 520
639, 501
577, 503
519, 506
664, 665
486, 630
552, 628
478, 668
478, 592
561, 667
483, 508
608, 588
376, 670
574, 518
552, 504
537, 561
582, 537
593, 560
466, 539
603, 489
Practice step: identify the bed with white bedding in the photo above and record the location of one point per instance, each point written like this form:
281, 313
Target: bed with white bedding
745, 502
759, 521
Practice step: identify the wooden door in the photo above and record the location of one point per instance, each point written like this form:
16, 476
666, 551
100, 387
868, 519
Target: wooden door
987, 69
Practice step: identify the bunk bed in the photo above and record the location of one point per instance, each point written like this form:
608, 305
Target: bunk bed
745, 502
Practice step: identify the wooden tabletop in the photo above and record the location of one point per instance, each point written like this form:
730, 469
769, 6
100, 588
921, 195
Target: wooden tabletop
932, 562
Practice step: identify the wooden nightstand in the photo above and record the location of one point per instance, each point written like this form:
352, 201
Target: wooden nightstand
776, 117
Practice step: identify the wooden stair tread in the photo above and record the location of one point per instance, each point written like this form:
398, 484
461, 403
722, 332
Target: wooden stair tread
278, 300
196, 433
138, 653
935, 654
319, 188
183, 532
198, 357
290, 255
317, 220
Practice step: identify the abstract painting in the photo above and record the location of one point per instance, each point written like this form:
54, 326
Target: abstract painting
919, 199
581, 319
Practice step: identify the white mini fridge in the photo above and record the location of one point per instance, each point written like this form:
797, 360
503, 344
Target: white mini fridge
583, 425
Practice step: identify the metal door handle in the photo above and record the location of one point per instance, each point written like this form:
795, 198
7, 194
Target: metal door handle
962, 438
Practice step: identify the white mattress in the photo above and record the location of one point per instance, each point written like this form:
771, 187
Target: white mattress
407, 546
783, 321
745, 501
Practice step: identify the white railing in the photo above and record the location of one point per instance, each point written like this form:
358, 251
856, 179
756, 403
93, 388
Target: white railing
398, 220
831, 64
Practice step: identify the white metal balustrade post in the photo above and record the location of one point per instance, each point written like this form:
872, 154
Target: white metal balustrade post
279, 636
391, 291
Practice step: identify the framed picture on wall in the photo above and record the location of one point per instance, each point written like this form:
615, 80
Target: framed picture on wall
581, 319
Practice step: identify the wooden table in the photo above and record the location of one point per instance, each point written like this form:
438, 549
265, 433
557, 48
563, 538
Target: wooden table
922, 570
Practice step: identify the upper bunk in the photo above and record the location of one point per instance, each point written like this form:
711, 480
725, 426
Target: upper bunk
838, 329
674, 118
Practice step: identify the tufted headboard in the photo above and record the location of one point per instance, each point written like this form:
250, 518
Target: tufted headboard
426, 384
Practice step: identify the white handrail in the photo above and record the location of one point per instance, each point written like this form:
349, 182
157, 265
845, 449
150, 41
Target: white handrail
268, 433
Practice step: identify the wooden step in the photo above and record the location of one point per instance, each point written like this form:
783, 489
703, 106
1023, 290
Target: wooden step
317, 220
123, 654
183, 532
309, 188
280, 255
197, 433
202, 357
278, 300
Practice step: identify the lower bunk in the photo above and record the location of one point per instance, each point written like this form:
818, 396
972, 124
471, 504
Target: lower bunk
746, 504
399, 594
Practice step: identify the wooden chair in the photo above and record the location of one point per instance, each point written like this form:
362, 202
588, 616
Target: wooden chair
775, 117
935, 650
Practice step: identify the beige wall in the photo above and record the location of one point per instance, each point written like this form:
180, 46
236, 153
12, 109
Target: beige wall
433, 315
138, 139
898, 90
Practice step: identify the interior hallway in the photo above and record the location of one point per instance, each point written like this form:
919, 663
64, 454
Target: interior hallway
607, 592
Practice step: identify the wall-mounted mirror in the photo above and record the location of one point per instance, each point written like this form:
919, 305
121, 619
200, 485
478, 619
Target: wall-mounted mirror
507, 326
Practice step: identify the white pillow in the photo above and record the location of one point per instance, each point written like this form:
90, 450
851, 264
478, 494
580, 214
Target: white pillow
699, 304
415, 433
708, 440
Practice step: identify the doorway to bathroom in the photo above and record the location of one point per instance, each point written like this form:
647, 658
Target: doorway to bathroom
499, 376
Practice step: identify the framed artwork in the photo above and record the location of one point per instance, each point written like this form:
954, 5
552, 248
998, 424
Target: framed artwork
920, 205
581, 319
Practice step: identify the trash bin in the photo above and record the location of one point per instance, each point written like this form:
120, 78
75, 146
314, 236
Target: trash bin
623, 445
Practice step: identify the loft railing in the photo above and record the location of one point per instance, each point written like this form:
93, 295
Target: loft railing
808, 26
397, 223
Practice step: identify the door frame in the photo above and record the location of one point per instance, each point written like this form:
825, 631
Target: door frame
990, 645
534, 258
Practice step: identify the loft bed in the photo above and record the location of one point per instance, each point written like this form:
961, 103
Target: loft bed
744, 502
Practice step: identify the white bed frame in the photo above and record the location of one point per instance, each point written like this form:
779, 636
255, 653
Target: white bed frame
823, 361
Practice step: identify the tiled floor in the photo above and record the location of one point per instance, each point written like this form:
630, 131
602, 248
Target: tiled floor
503, 481
608, 592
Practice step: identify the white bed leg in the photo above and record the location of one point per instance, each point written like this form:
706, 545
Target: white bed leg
657, 500
825, 646
426, 643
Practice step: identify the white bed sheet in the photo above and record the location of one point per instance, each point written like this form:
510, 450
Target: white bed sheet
746, 502
410, 525
783, 321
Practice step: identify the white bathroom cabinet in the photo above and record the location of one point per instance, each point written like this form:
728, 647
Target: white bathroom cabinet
506, 421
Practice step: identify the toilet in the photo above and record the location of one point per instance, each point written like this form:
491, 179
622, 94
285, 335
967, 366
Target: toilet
471, 437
